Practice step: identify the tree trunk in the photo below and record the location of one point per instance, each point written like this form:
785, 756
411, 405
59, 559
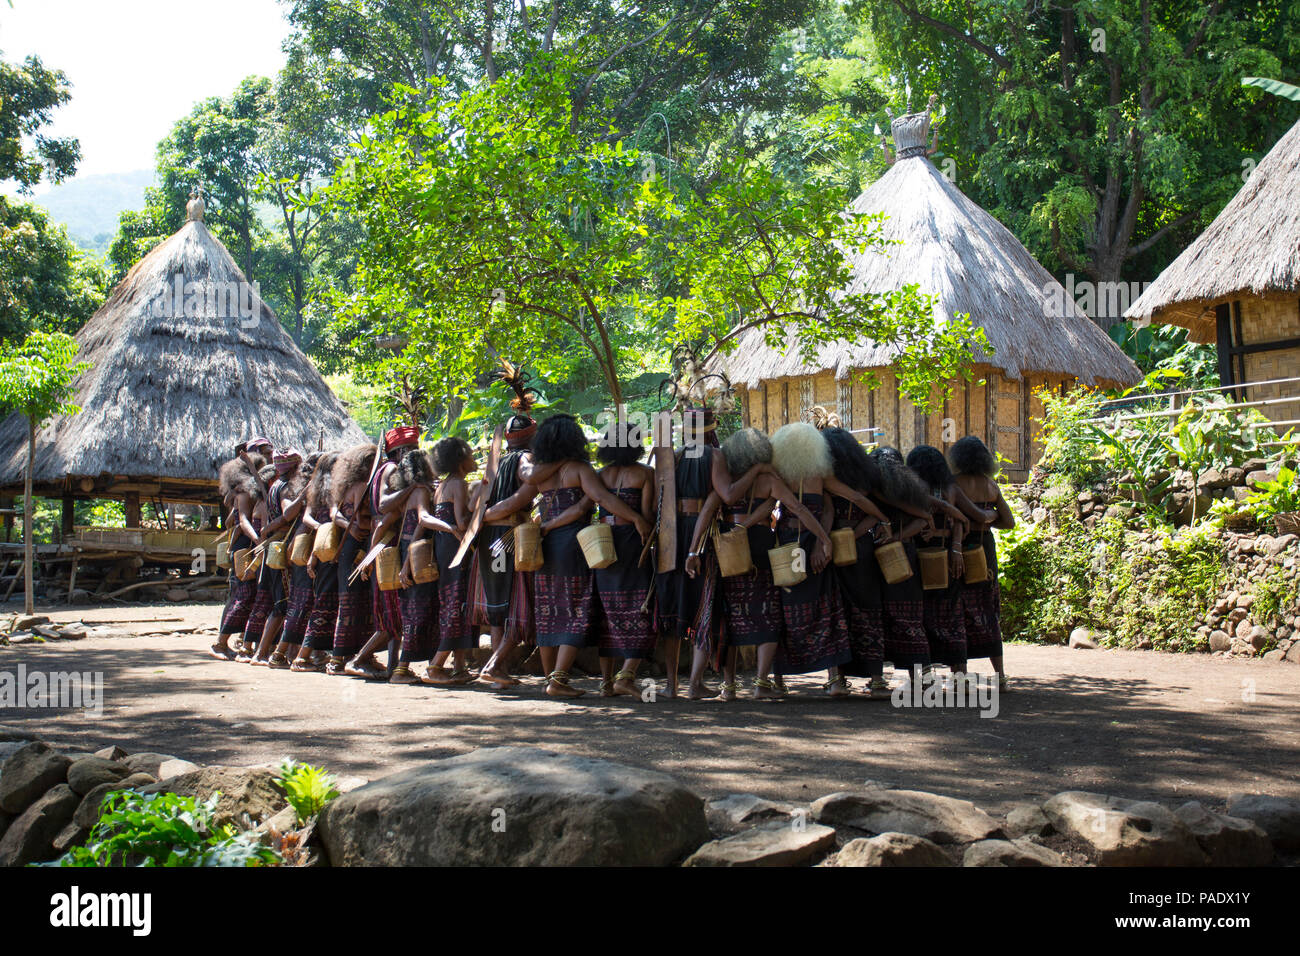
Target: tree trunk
29, 593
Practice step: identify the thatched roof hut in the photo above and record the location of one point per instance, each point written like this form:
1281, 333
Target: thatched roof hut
1238, 284
186, 361
970, 263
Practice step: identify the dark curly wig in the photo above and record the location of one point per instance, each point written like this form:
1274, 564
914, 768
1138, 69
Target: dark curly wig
970, 456
560, 438
449, 453
853, 465
620, 444
928, 462
898, 482
416, 468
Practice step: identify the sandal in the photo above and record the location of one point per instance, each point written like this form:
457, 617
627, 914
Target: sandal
461, 676
839, 687
278, 662
628, 679
306, 665
607, 687
402, 674
335, 666
557, 685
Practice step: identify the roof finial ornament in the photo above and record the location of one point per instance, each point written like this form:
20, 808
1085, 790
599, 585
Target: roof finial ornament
195, 207
912, 130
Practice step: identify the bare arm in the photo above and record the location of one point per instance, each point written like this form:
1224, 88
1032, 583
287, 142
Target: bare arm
575, 512
841, 490
521, 500
243, 505
595, 489
732, 491
425, 517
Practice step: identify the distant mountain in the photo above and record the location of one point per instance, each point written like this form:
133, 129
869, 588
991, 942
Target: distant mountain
89, 205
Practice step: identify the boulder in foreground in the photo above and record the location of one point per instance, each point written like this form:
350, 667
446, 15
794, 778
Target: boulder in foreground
515, 806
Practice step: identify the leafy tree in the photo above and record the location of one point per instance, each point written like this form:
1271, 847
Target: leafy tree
1104, 133
43, 274
36, 381
495, 223
29, 95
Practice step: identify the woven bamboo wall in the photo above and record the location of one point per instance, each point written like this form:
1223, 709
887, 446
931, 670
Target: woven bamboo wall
1000, 411
1272, 320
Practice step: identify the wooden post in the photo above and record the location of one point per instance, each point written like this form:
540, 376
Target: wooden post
133, 510
69, 515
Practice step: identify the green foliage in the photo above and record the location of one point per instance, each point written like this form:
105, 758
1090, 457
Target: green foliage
1122, 584
1276, 87
1277, 597
164, 829
45, 281
1106, 135
1168, 348
36, 378
591, 251
1280, 495
307, 788
30, 92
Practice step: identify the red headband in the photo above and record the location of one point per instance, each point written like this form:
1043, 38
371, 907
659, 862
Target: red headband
402, 435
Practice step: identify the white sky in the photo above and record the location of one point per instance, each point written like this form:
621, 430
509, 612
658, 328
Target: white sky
137, 66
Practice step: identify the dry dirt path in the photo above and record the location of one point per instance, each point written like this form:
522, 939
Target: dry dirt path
1138, 724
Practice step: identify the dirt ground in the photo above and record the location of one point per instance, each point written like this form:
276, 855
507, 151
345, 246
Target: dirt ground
1131, 723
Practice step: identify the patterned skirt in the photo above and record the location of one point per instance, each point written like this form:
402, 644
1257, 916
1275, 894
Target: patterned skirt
502, 596
355, 618
263, 604
566, 611
302, 596
861, 586
324, 608
751, 603
816, 628
239, 605
625, 630
981, 606
419, 621
388, 608
456, 628
906, 644
681, 600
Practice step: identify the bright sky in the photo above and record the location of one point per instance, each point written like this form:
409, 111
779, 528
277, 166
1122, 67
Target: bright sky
137, 66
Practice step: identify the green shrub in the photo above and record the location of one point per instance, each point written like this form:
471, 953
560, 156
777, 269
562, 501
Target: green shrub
164, 829
307, 788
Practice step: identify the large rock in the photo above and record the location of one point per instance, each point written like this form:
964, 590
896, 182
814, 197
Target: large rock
515, 806
161, 766
30, 838
113, 752
777, 843
1124, 832
1227, 841
1279, 817
29, 772
1027, 819
891, 849
937, 818
1010, 853
736, 811
87, 774
249, 795
88, 810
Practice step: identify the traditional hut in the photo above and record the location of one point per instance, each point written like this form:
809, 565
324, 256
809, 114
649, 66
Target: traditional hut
970, 263
1238, 284
186, 362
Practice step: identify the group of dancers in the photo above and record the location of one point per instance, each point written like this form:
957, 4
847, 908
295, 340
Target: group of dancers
846, 617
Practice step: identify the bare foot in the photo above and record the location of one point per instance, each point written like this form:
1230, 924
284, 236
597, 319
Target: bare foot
369, 668
626, 688
701, 692
221, 652
555, 688
404, 675
437, 676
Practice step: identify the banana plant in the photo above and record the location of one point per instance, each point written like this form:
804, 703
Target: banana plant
1276, 87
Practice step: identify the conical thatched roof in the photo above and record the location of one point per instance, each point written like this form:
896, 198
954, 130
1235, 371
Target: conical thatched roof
1251, 249
180, 373
971, 263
